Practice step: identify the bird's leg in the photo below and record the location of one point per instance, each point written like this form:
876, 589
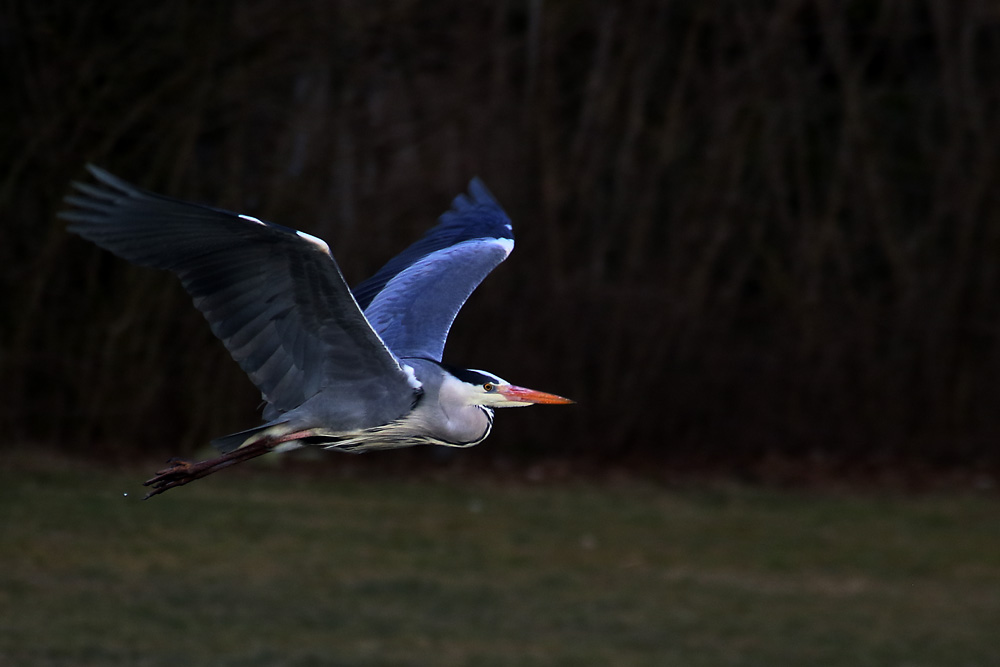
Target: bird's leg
182, 472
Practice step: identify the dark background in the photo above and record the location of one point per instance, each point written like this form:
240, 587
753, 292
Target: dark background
746, 230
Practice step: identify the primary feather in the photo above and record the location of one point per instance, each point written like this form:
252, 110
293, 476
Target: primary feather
274, 296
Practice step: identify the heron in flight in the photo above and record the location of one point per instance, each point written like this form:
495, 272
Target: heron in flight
349, 370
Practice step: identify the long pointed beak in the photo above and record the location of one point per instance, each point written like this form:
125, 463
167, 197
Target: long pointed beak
517, 394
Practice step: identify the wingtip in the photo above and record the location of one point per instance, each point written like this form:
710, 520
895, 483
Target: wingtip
477, 195
105, 177
83, 195
480, 192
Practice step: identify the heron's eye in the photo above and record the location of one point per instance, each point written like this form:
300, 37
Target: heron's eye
489, 386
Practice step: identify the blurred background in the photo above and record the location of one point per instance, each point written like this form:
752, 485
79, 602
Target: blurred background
756, 241
746, 231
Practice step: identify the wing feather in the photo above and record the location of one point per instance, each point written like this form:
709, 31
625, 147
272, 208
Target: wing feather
276, 299
412, 301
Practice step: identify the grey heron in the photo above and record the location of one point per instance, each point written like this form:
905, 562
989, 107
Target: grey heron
350, 370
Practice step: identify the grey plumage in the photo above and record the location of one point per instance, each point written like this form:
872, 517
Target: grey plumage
412, 301
276, 300
330, 374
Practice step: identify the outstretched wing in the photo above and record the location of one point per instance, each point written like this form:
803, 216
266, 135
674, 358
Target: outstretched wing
274, 296
412, 301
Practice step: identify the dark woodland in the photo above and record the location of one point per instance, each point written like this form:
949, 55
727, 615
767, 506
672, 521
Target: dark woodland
744, 229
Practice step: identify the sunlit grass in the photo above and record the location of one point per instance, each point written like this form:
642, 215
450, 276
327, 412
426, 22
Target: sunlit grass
265, 568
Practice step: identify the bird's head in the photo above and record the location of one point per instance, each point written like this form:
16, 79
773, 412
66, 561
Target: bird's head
488, 390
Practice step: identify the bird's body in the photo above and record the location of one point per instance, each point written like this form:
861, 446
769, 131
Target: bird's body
438, 415
341, 369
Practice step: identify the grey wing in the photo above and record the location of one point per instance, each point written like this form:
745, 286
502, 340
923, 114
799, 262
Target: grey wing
412, 301
274, 296
414, 312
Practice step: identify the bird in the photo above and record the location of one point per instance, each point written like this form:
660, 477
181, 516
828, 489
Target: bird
340, 369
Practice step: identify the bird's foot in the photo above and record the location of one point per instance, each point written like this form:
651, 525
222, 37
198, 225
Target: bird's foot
180, 472
177, 465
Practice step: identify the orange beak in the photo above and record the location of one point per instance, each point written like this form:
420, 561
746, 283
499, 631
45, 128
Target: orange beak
522, 395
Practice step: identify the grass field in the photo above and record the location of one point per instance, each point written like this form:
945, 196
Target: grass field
260, 567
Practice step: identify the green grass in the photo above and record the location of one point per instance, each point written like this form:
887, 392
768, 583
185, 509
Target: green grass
257, 567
